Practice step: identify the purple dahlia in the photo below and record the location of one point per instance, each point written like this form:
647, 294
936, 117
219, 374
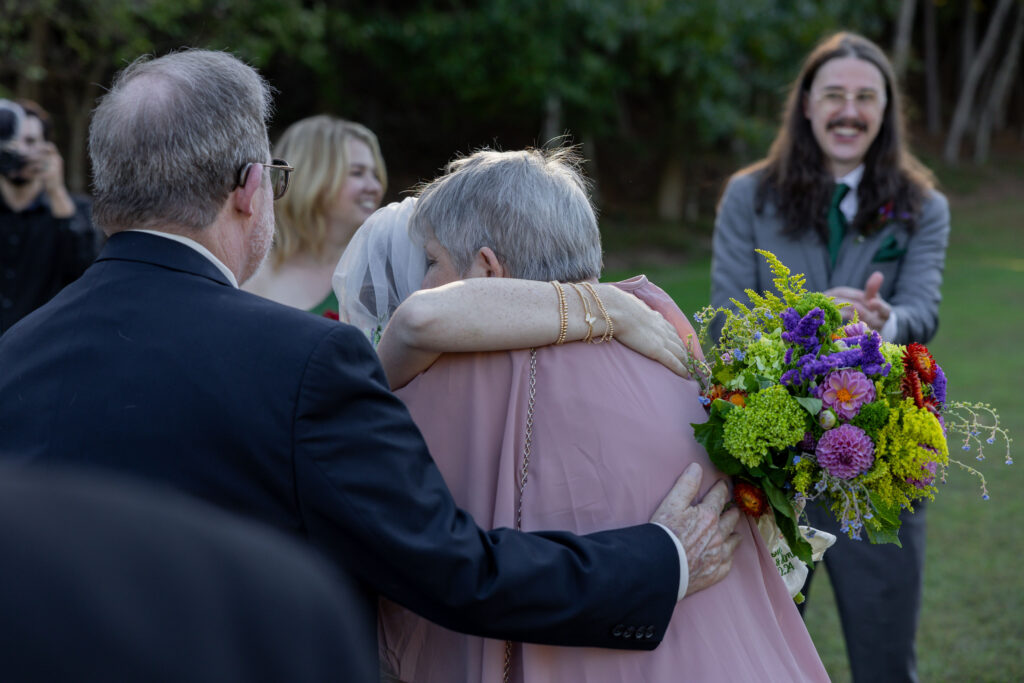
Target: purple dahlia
845, 451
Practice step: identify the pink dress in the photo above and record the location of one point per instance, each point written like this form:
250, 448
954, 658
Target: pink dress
611, 435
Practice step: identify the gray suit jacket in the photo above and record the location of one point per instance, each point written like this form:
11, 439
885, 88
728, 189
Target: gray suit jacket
911, 263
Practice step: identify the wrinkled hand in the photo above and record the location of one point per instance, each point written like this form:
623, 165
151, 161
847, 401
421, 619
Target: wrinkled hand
872, 309
706, 532
645, 330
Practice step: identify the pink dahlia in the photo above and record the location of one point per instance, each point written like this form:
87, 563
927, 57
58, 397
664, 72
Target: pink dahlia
846, 390
845, 451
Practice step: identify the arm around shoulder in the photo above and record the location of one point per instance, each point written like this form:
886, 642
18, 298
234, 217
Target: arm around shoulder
374, 500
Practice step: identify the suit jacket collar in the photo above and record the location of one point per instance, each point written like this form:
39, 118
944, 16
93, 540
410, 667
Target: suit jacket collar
145, 248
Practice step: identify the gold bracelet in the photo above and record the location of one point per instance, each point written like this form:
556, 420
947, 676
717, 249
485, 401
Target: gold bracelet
588, 317
609, 333
563, 313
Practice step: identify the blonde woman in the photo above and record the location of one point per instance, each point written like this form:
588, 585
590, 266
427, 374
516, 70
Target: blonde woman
339, 181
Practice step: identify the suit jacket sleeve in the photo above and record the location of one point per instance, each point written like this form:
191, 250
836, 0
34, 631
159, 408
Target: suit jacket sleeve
734, 263
373, 499
916, 295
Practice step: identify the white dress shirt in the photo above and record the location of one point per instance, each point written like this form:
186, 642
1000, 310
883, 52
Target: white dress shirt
849, 207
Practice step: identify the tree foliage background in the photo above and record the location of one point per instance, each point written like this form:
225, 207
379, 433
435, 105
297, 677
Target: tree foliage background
666, 97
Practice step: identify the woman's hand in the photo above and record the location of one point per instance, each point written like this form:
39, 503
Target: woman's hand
644, 330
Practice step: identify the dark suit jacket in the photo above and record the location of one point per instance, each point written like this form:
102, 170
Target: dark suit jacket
108, 580
912, 262
152, 364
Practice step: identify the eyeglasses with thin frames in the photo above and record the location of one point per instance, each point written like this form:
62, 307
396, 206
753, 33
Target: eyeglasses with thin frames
279, 172
865, 100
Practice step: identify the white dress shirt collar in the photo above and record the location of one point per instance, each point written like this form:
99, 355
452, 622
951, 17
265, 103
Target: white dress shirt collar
200, 248
849, 204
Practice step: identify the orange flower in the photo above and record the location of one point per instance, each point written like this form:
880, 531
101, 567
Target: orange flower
750, 499
738, 398
715, 391
917, 358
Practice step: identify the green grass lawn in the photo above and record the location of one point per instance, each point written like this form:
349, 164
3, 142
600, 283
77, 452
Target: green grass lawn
972, 618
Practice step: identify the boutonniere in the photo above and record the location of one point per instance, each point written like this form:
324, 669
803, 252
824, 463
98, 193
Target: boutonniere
886, 215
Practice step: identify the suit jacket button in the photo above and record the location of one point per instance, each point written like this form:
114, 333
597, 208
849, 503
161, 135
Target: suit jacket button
629, 632
617, 631
649, 633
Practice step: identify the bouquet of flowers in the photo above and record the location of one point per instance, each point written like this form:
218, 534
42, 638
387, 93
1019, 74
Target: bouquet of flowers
803, 406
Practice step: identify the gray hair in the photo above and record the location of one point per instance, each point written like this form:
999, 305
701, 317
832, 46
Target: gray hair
531, 207
169, 138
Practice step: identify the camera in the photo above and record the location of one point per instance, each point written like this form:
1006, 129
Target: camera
11, 116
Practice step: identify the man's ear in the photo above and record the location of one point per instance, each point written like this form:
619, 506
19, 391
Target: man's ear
243, 196
486, 264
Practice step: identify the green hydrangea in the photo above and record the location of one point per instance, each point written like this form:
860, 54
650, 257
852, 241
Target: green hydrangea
772, 419
766, 356
872, 416
833, 318
893, 354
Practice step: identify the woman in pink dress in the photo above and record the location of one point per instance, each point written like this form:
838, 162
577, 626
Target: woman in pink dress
577, 436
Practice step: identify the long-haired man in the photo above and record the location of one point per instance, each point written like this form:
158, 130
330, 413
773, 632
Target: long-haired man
841, 199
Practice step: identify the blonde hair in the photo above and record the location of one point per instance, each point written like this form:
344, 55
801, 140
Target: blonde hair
315, 146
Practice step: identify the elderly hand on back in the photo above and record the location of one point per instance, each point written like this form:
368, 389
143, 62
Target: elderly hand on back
707, 533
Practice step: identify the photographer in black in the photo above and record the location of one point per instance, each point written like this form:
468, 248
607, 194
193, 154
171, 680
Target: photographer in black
46, 236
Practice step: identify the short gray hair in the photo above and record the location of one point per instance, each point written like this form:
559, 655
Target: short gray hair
532, 207
169, 138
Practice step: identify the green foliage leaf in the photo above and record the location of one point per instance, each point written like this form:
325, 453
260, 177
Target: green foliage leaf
790, 531
884, 533
884, 526
883, 511
710, 435
810, 404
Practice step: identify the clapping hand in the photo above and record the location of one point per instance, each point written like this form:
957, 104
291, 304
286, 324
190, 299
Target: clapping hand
872, 309
706, 532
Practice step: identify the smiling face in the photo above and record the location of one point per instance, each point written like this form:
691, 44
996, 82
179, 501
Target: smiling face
845, 106
361, 192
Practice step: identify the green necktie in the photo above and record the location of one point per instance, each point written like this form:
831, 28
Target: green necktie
836, 222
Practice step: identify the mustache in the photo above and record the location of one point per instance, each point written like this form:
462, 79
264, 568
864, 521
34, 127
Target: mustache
847, 123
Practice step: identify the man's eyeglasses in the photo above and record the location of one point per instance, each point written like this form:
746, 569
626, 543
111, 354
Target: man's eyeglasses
865, 100
279, 172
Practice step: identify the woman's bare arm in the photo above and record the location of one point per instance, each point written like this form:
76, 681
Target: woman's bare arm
497, 314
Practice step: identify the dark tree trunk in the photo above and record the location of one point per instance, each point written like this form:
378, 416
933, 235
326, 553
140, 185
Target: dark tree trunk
992, 114
933, 95
965, 104
904, 32
969, 29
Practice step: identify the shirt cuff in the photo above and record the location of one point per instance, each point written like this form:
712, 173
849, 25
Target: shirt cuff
890, 328
684, 569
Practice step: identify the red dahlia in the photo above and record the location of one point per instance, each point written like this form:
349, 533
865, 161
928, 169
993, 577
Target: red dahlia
750, 499
917, 358
911, 386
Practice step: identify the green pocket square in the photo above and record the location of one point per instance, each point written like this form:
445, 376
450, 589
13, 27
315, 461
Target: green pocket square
889, 251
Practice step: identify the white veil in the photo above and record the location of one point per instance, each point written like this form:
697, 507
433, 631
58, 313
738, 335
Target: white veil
379, 268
